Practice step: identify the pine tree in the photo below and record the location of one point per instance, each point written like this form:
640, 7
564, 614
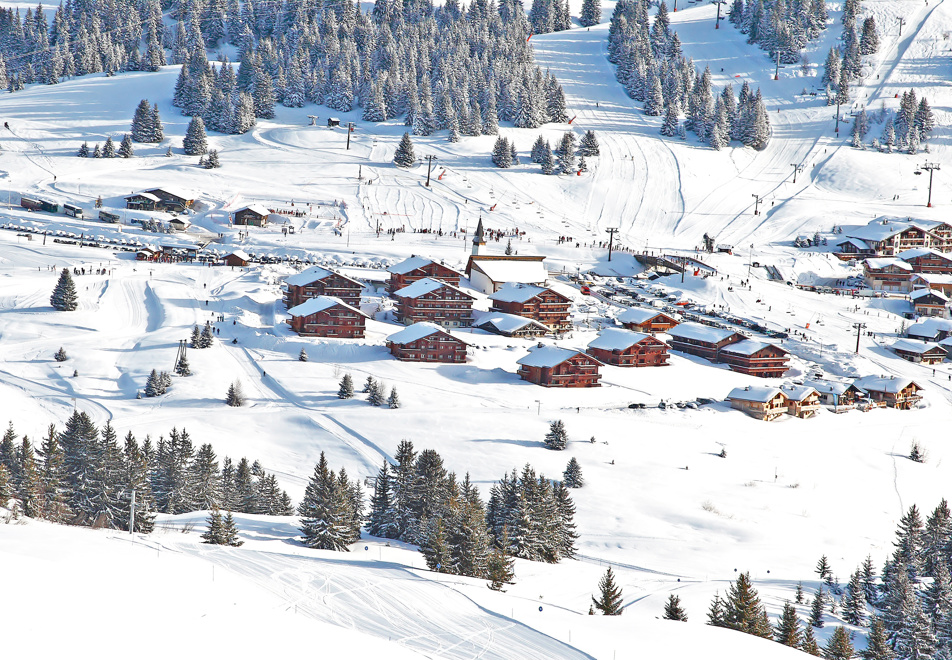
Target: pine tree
839, 646
823, 568
382, 518
182, 368
325, 511
567, 153
556, 438
673, 610
404, 156
206, 340
869, 38
788, 628
375, 396
142, 128
60, 355
816, 609
877, 645
798, 597
500, 569
97, 152
588, 145
538, 147
195, 142
211, 160
572, 477
64, 298
591, 13
196, 339
229, 532
213, 534
83, 150
393, 401
609, 601
548, 161
502, 153
853, 603
809, 645
109, 148
715, 613
235, 398
302, 357
670, 126
346, 390
743, 610
125, 147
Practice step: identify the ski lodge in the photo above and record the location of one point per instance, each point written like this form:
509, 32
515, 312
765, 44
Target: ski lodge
623, 348
544, 305
426, 342
326, 316
650, 321
416, 268
317, 281
551, 366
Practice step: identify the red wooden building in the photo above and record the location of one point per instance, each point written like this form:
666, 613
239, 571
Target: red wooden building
544, 305
325, 316
643, 319
436, 302
416, 268
551, 366
927, 302
702, 340
914, 350
623, 348
426, 342
755, 358
317, 281
887, 273
927, 260
237, 258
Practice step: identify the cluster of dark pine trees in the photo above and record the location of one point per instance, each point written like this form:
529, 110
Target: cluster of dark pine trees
905, 130
654, 71
213, 94
780, 27
202, 337
82, 475
84, 37
108, 149
844, 65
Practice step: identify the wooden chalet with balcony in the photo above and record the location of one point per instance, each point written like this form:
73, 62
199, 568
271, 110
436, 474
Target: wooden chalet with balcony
930, 329
426, 342
237, 258
755, 358
317, 281
251, 216
417, 268
142, 201
436, 302
934, 281
508, 325
926, 302
546, 306
927, 260
551, 366
887, 274
803, 401
842, 396
650, 321
623, 348
702, 340
325, 316
914, 350
172, 199
887, 238
766, 403
892, 392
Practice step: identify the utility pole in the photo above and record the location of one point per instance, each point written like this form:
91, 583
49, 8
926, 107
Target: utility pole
796, 168
859, 327
757, 200
929, 167
132, 512
717, 23
837, 119
776, 75
611, 236
429, 166
350, 129
902, 21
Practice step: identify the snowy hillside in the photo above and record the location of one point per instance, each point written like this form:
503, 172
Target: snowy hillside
659, 505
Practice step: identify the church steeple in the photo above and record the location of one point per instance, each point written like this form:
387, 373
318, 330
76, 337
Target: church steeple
478, 238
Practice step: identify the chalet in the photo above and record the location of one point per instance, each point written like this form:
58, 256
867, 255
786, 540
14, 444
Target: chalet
326, 316
887, 273
237, 258
546, 306
930, 329
147, 254
171, 199
755, 358
932, 281
702, 340
179, 224
488, 273
927, 302
434, 301
426, 342
919, 351
854, 248
642, 319
927, 260
834, 393
508, 325
901, 393
887, 238
253, 215
551, 366
317, 281
766, 403
142, 201
624, 348
802, 400
416, 268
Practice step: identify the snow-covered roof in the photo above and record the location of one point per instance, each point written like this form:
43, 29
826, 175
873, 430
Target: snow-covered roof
255, 208
612, 339
879, 230
410, 264
639, 315
929, 328
797, 392
505, 323
890, 385
922, 252
425, 286
416, 331
922, 293
548, 356
148, 196
240, 254
946, 344
307, 276
748, 347
175, 192
828, 386
516, 292
855, 242
879, 263
510, 270
319, 304
756, 393
701, 332
914, 346
932, 278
